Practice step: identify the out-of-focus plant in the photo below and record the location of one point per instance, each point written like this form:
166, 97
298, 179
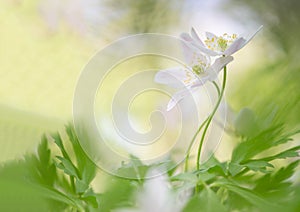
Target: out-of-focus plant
145, 16
252, 179
248, 181
281, 24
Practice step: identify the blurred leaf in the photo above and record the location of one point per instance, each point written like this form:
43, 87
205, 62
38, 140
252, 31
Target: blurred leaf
67, 166
289, 153
277, 180
91, 197
41, 166
247, 194
267, 139
212, 165
188, 177
118, 194
246, 123
81, 186
206, 201
85, 166
258, 165
82, 172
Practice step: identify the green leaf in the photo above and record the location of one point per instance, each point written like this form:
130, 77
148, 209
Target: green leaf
86, 168
59, 143
289, 153
234, 168
212, 165
81, 186
43, 151
49, 192
277, 180
67, 166
118, 194
92, 198
258, 165
206, 201
40, 166
247, 194
265, 140
245, 124
188, 177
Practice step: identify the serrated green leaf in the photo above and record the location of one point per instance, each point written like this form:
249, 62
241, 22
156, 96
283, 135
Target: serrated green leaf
258, 165
247, 194
212, 165
265, 140
43, 151
42, 169
59, 143
206, 201
234, 168
91, 197
92, 200
118, 194
188, 177
81, 186
276, 186
289, 153
67, 166
89, 172
79, 153
49, 192
86, 168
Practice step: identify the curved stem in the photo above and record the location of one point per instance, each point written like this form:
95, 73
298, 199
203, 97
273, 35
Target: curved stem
210, 119
191, 144
217, 87
197, 132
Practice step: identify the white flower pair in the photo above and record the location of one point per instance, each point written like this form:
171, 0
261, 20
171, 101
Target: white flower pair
203, 61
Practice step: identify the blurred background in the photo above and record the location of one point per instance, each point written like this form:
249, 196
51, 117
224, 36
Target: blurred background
44, 45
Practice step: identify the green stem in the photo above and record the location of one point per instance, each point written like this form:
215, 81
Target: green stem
197, 132
210, 119
191, 144
217, 87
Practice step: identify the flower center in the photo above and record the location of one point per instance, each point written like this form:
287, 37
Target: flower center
220, 43
198, 69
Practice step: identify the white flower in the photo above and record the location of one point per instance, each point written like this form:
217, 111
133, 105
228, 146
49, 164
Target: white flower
215, 45
197, 71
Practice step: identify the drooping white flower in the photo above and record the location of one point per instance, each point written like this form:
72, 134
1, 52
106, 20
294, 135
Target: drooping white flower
198, 70
215, 45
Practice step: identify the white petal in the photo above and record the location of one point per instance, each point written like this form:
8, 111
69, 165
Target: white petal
196, 37
228, 113
210, 35
177, 97
209, 52
251, 36
235, 46
186, 37
218, 66
191, 43
193, 55
201, 81
190, 53
177, 77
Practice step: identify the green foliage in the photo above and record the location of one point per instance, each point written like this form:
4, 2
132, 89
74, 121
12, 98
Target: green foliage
118, 194
70, 189
249, 181
207, 200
